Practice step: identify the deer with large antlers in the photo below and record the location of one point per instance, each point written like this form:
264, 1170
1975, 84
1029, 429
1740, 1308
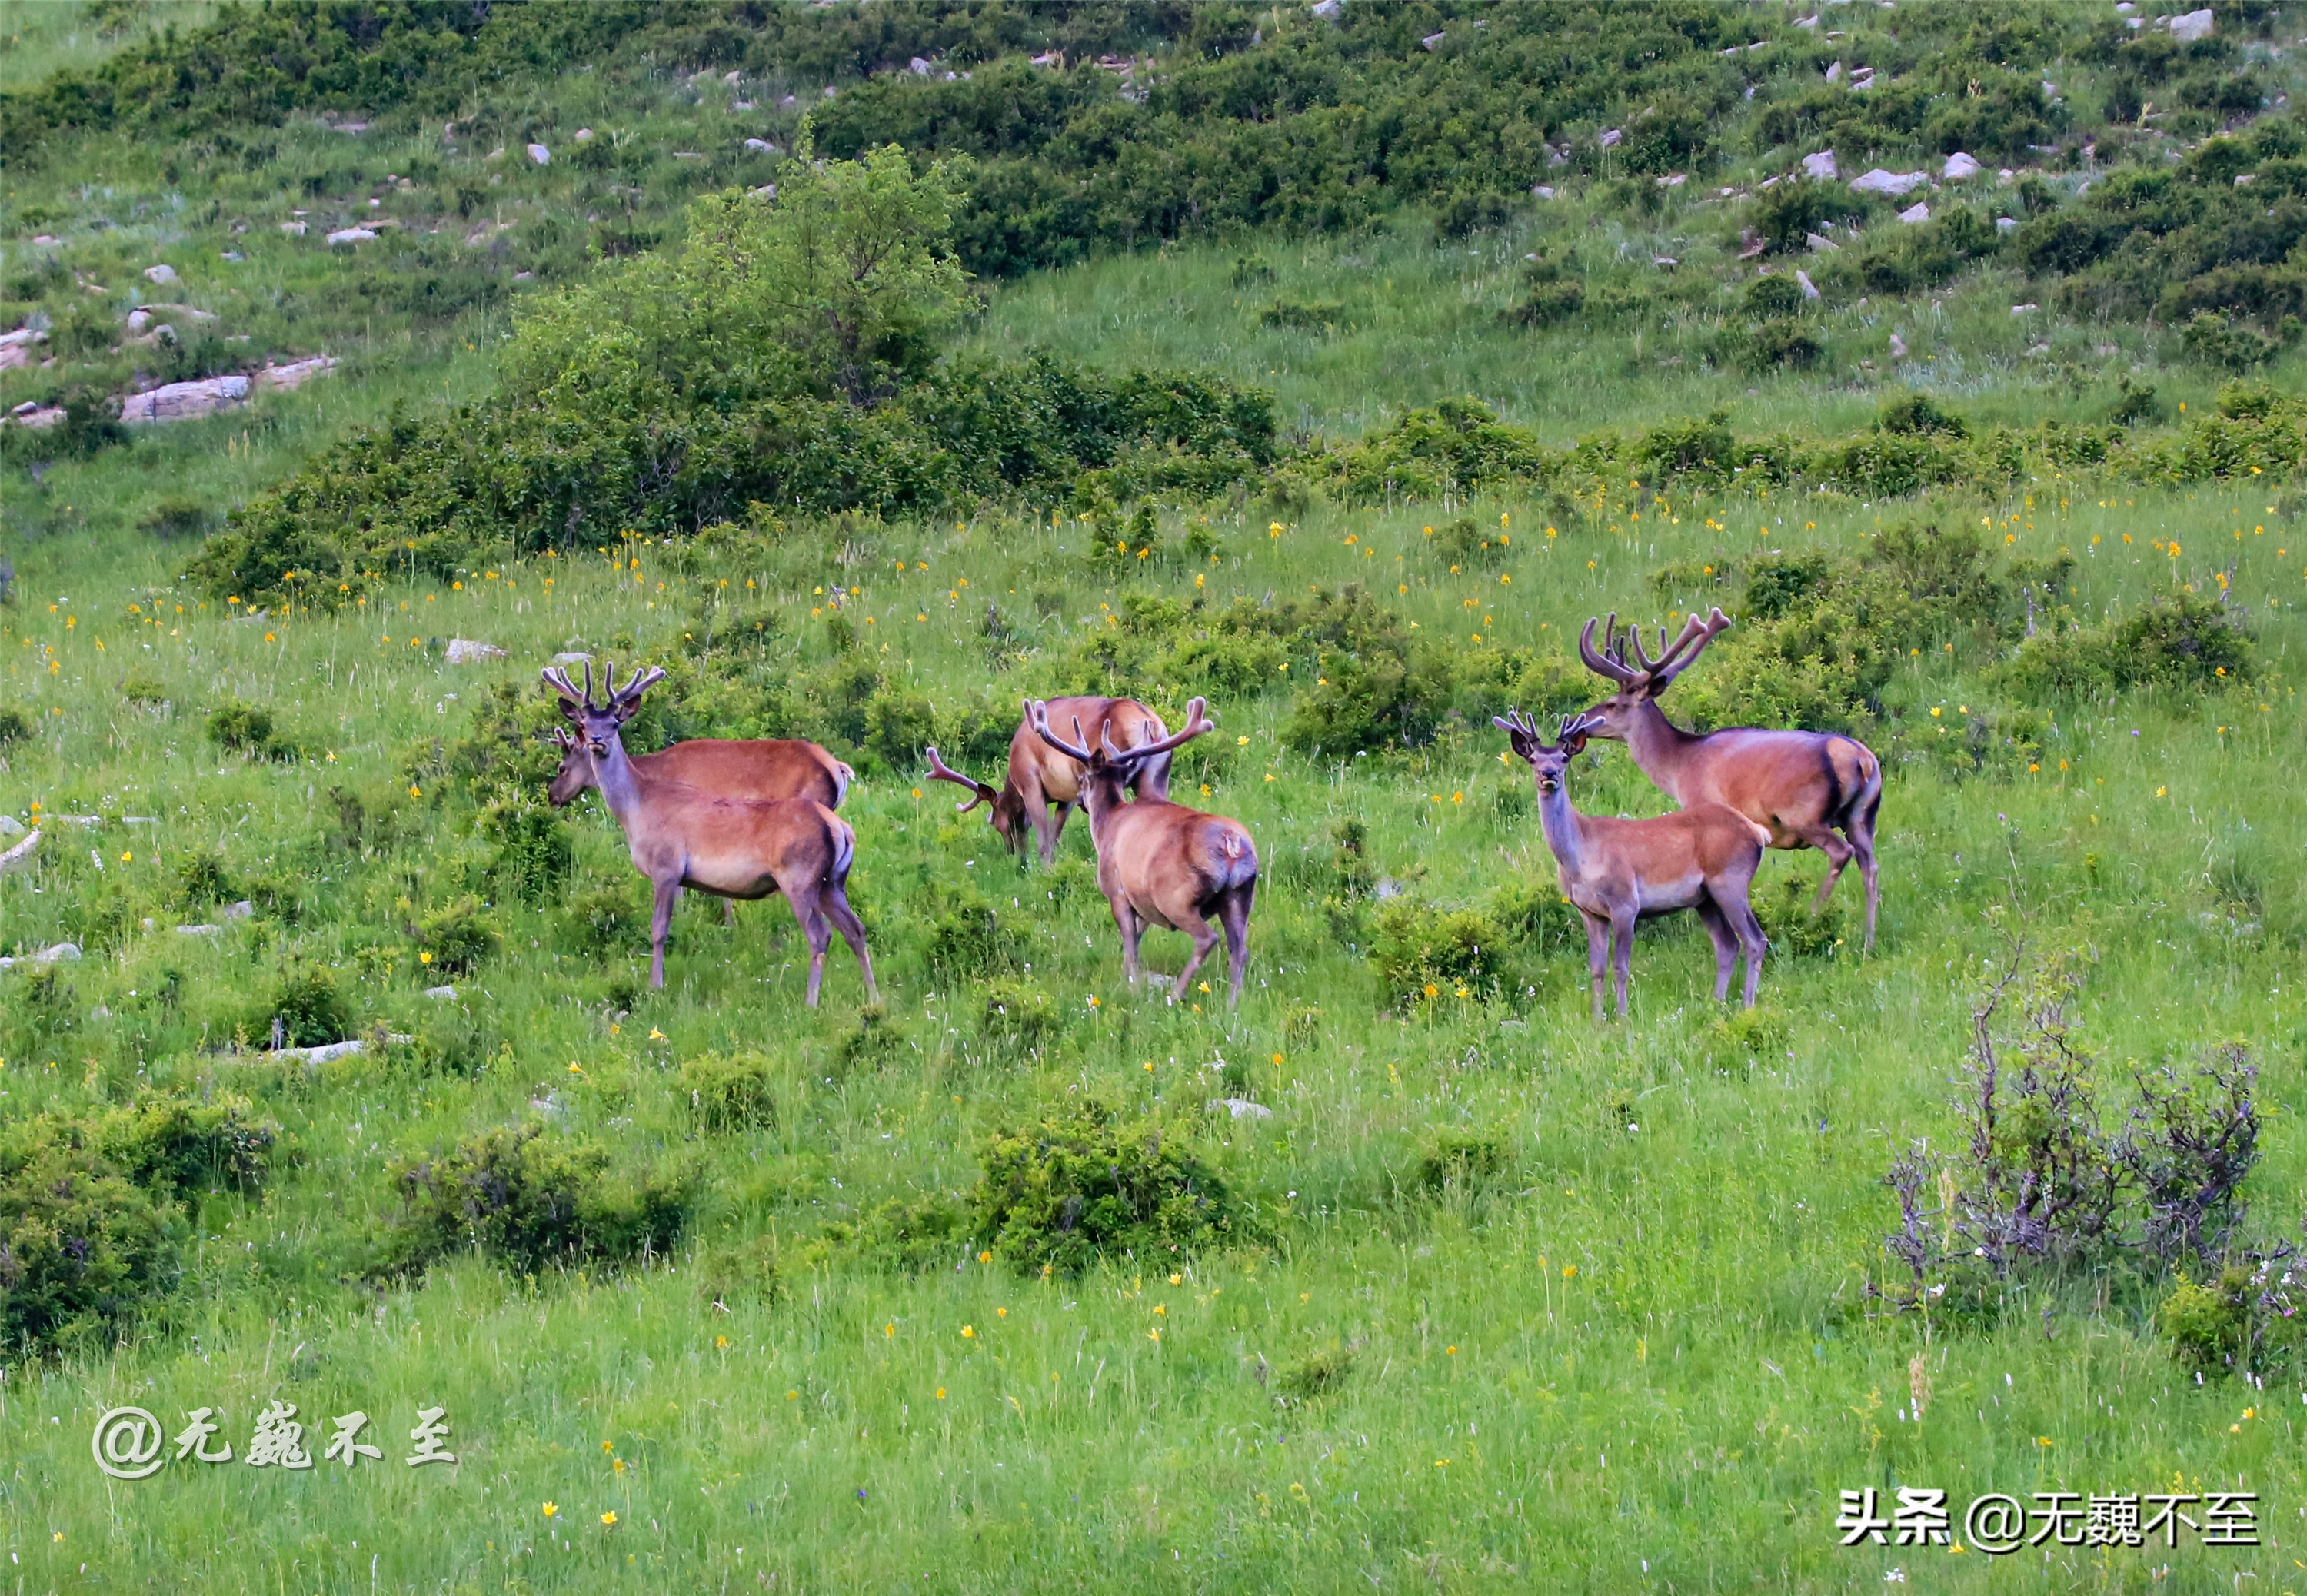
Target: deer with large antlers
1801, 786
682, 836
1043, 777
1159, 863
1618, 872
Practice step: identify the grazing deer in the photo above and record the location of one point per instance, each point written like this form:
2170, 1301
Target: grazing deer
1615, 872
1801, 786
1159, 863
680, 836
1041, 775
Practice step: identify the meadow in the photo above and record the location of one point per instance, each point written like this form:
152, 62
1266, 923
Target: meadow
1502, 1300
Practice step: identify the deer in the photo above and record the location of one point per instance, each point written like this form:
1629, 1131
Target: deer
1159, 863
682, 836
731, 767
1617, 872
1802, 787
1041, 776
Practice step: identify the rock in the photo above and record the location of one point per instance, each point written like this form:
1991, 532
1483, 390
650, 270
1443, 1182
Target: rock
1959, 167
1387, 887
1915, 215
1665, 262
183, 401
1821, 166
1242, 1108
464, 651
63, 952
1541, 190
1809, 289
2245, 179
160, 274
2006, 224
1808, 22
1433, 41
571, 657
761, 146
293, 229
445, 994
21, 855
2190, 26
583, 135
37, 420
17, 347
1324, 9
351, 235
733, 78
540, 155
139, 319
918, 67
233, 256
1898, 348
1819, 243
46, 238
287, 378
1610, 138
2022, 309
241, 910
201, 930
322, 1054
1890, 183
10, 826
1673, 180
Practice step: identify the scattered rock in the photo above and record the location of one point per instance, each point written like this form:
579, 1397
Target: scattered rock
2190, 26
1819, 243
583, 135
2006, 224
733, 78
241, 910
329, 1051
1891, 183
761, 146
918, 67
21, 855
201, 930
10, 826
1959, 167
1673, 180
46, 238
1915, 215
184, 401
1541, 190
1327, 10
2245, 179
540, 155
1611, 137
1433, 41
38, 419
445, 994
1242, 1108
287, 378
351, 235
768, 191
1665, 262
1387, 887
464, 651
1802, 280
17, 347
160, 274
2022, 309
1821, 166
1898, 348
293, 229
571, 657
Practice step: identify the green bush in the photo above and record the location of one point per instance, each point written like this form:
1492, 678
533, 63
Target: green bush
968, 935
82, 1247
901, 1235
534, 854
530, 1203
1423, 953
1920, 412
459, 935
1319, 1371
1020, 1014
728, 1091
1085, 1183
1293, 315
2180, 640
2208, 1325
1462, 1160
311, 1010
608, 919
245, 729
181, 1146
13, 727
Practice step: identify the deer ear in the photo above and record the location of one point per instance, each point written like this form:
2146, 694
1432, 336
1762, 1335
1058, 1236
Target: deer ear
1514, 735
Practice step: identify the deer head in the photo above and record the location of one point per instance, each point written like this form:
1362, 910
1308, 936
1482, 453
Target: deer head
1106, 769
597, 724
1640, 678
1547, 764
1005, 807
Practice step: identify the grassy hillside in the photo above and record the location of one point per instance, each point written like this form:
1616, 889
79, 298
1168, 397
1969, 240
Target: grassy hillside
989, 1287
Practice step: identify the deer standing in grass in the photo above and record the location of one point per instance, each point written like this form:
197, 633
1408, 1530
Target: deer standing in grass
1041, 775
1801, 786
1616, 872
682, 836
1159, 863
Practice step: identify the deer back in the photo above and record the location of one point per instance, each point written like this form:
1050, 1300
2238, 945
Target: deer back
1156, 850
751, 768
1126, 720
1783, 781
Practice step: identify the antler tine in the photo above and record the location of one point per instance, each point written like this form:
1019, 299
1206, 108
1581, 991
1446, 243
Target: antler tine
939, 770
1197, 721
557, 679
1634, 645
588, 681
1696, 635
1037, 716
642, 682
1600, 662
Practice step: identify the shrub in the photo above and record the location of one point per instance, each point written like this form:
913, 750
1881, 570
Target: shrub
312, 1012
2180, 640
2209, 1325
82, 1247
1084, 1183
1783, 907
1920, 414
1294, 315
529, 1202
967, 937
870, 1041
1423, 952
459, 935
1020, 1014
13, 727
1460, 1159
1769, 297
1319, 1371
172, 518
1464, 540
534, 854
176, 1145
728, 1091
901, 1235
1745, 1034
607, 918
245, 729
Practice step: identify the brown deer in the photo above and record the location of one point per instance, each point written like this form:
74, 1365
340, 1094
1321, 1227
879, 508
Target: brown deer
1040, 776
680, 836
1159, 863
1616, 872
1801, 786
729, 767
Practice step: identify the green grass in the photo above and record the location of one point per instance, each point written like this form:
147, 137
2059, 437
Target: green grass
1709, 1345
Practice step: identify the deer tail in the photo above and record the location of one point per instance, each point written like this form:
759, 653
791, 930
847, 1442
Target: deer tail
845, 849
1236, 859
841, 777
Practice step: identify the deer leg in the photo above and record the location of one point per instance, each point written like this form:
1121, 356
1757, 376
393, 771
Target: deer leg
1204, 939
1131, 927
1837, 854
1756, 944
1861, 830
835, 906
1050, 828
729, 911
1726, 944
1622, 934
1233, 913
803, 899
1598, 931
668, 893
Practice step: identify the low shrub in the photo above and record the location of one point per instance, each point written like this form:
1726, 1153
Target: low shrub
728, 1091
871, 1040
902, 1235
529, 1202
608, 919
1020, 1014
459, 935
534, 854
1084, 1183
310, 1008
1423, 952
1462, 1160
968, 935
1321, 1371
13, 727
1317, 315
2180, 640
245, 729
82, 1247
182, 1146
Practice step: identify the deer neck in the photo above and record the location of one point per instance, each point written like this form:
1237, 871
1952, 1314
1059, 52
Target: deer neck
1660, 748
1563, 834
619, 784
